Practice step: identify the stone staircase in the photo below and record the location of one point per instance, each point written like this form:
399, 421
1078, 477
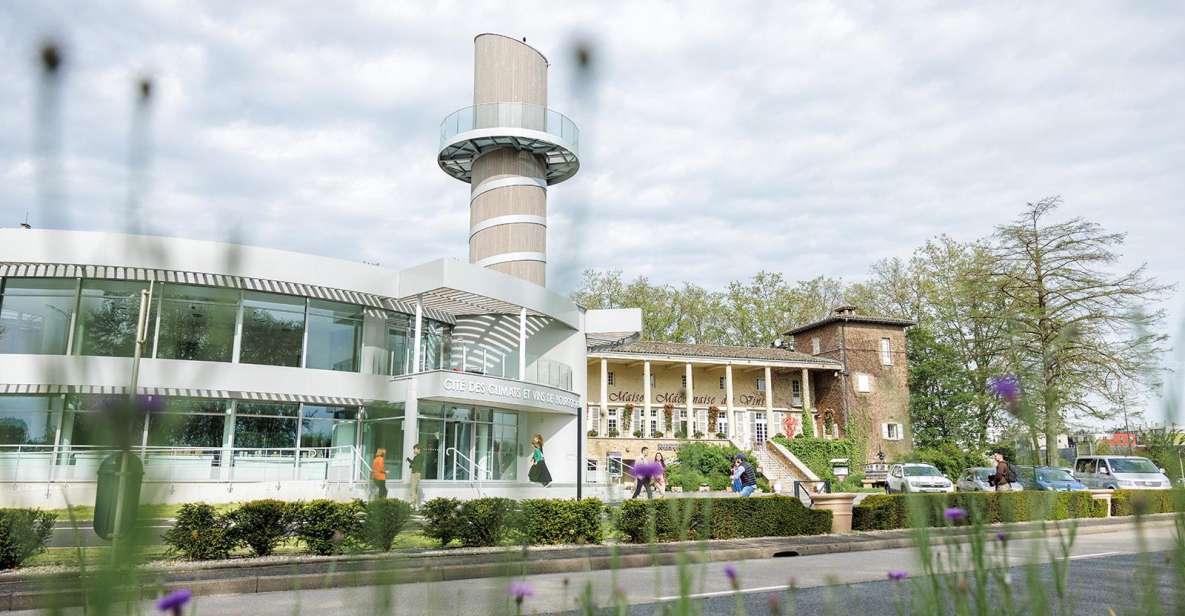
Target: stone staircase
782, 469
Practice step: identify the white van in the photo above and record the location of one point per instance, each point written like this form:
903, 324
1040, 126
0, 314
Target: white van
1120, 472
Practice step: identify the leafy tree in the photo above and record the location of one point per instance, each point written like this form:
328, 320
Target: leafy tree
941, 393
1074, 325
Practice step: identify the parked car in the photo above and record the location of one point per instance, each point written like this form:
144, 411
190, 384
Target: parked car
917, 478
976, 480
1047, 478
1114, 472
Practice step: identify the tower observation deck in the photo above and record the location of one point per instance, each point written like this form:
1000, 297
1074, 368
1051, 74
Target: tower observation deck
509, 147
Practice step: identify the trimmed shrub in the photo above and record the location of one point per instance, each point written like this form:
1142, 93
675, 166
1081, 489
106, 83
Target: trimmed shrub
817, 453
385, 518
720, 518
441, 520
263, 524
23, 533
891, 511
483, 521
556, 521
327, 527
200, 533
1132, 502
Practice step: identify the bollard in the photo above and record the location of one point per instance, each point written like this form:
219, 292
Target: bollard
840, 505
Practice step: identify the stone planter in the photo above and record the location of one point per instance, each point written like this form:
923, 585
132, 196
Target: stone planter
840, 505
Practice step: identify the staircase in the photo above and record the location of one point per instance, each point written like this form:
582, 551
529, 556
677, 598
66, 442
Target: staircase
782, 469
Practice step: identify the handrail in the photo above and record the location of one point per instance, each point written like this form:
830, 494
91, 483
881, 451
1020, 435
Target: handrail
481, 476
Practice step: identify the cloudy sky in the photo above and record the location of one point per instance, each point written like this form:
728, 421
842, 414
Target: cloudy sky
717, 140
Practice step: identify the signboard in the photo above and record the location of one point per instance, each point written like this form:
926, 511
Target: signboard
508, 393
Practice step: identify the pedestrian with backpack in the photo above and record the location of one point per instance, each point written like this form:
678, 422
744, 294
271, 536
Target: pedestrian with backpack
1004, 476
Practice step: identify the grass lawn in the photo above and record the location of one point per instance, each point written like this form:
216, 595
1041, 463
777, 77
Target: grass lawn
147, 512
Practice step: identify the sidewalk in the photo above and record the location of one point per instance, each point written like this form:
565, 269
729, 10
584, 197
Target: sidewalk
32, 590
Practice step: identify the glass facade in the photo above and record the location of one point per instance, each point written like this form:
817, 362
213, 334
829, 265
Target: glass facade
327, 426
335, 336
196, 323
463, 443
107, 313
35, 315
29, 420
188, 422
266, 425
273, 329
400, 328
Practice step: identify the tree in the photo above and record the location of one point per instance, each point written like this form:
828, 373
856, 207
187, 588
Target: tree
941, 393
1074, 325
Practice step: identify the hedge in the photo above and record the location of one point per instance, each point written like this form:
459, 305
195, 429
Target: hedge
817, 453
263, 524
1131, 502
23, 533
891, 511
200, 532
554, 521
720, 518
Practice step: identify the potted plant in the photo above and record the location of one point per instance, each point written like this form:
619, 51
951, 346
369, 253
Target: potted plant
713, 417
721, 435
657, 434
637, 434
612, 433
592, 433
680, 433
699, 434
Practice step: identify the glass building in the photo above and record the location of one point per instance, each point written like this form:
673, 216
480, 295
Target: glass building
281, 378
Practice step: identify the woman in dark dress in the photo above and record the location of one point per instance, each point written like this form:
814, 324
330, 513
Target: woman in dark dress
538, 472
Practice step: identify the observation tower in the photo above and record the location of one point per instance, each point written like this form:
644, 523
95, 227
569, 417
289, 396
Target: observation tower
509, 147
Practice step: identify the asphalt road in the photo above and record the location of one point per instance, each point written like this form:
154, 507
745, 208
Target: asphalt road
1101, 575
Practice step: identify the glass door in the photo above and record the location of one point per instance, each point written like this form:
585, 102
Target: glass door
458, 440
759, 428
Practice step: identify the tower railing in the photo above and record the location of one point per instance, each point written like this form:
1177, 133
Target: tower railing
510, 115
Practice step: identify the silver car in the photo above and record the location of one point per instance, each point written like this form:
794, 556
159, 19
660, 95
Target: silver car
976, 480
1120, 472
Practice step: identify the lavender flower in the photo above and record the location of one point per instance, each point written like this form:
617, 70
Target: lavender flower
731, 573
174, 601
1005, 387
954, 514
520, 590
897, 576
1001, 537
648, 470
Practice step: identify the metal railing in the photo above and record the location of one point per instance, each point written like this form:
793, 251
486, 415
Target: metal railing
79, 463
475, 478
540, 370
510, 115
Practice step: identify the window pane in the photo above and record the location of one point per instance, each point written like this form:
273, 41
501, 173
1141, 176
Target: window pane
188, 422
108, 311
431, 435
197, 323
35, 315
94, 421
269, 409
335, 333
319, 423
398, 344
273, 329
265, 432
28, 420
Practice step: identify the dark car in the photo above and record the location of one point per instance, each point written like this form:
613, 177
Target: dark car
1047, 478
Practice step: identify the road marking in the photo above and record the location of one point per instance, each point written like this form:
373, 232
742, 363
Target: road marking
721, 593
1096, 555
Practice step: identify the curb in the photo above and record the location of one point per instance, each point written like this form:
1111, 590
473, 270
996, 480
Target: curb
246, 576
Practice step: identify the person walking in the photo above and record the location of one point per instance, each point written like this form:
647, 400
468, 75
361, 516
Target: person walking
378, 473
1004, 476
538, 472
642, 482
660, 481
415, 465
746, 475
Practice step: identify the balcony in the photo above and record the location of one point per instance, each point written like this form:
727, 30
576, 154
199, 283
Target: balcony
471, 131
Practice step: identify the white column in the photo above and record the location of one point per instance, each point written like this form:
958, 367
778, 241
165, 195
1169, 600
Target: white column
522, 344
604, 394
770, 429
690, 404
646, 397
415, 346
728, 395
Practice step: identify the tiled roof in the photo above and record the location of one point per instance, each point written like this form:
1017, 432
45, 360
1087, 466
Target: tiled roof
851, 318
713, 351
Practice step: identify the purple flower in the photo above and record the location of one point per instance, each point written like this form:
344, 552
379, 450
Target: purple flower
1001, 537
174, 601
731, 573
648, 470
955, 514
897, 576
520, 590
1005, 387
